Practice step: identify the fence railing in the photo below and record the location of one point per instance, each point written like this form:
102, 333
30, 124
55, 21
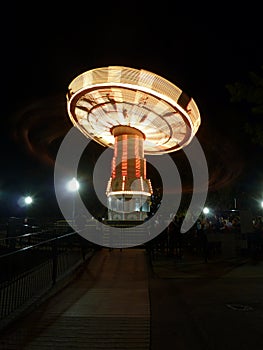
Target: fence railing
31, 266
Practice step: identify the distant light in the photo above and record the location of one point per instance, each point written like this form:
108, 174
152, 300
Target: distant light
262, 204
28, 200
73, 185
205, 210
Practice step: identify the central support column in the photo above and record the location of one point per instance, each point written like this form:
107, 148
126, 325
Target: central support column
128, 189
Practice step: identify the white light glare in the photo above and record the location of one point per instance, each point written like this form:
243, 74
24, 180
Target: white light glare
73, 185
205, 210
28, 200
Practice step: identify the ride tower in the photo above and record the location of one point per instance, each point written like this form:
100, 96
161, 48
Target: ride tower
134, 112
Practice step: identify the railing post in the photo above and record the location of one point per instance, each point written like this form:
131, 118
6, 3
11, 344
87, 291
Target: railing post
54, 260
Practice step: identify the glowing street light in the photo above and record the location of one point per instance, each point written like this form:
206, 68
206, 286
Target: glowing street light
206, 210
73, 185
26, 203
28, 200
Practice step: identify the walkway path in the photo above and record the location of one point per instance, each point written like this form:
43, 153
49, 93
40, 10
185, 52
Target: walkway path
107, 307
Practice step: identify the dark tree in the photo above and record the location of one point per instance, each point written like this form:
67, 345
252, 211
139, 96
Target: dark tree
249, 95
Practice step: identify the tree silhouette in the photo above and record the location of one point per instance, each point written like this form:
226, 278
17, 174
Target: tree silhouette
249, 95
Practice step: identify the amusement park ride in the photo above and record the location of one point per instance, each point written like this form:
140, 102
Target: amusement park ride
134, 112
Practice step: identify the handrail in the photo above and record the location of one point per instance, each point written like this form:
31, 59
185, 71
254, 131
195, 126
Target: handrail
24, 235
37, 244
41, 270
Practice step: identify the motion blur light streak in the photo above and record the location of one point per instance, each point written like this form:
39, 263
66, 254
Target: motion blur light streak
41, 125
225, 161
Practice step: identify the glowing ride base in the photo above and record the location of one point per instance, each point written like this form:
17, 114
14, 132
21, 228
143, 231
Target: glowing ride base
135, 112
128, 190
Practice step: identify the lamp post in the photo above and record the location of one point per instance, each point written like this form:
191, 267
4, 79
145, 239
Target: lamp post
28, 200
73, 186
206, 210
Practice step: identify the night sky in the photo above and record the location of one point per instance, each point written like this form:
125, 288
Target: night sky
200, 49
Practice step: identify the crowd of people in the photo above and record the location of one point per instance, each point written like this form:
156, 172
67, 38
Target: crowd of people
172, 241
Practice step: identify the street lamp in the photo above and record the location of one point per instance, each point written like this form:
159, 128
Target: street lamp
73, 186
28, 200
206, 210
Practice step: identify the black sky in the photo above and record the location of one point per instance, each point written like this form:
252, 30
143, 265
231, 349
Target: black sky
200, 48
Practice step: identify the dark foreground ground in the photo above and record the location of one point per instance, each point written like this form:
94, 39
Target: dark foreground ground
121, 301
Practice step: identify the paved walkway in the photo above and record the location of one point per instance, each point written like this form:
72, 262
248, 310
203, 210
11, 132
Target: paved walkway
194, 266
206, 306
107, 307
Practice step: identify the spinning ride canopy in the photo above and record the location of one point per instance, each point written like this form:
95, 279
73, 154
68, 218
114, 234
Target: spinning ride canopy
101, 99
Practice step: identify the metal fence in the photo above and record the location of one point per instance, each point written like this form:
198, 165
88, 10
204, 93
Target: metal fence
30, 265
